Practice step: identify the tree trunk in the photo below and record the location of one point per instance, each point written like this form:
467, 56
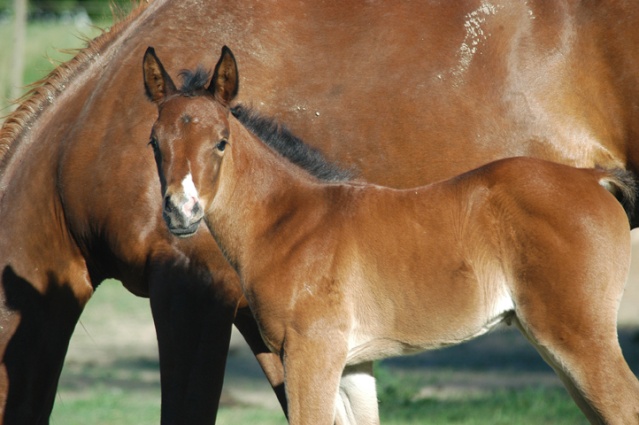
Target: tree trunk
19, 36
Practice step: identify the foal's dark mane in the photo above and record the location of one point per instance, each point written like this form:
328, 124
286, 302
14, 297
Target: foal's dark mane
274, 134
194, 81
291, 147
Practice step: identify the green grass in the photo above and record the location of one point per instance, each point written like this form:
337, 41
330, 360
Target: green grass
527, 406
523, 407
400, 403
530, 406
104, 405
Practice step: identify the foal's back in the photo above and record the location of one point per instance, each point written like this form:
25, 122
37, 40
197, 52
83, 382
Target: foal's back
506, 204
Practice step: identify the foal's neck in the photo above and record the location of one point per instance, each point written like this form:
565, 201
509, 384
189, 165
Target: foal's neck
264, 202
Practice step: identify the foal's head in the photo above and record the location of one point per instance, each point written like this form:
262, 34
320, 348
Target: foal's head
190, 136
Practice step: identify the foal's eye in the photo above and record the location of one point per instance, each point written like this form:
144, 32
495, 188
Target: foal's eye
154, 143
221, 145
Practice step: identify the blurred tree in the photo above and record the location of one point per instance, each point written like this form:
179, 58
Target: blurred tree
19, 36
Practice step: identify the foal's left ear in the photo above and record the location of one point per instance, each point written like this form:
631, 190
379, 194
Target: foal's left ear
225, 82
157, 82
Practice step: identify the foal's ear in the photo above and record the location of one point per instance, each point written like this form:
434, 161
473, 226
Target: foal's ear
225, 82
157, 83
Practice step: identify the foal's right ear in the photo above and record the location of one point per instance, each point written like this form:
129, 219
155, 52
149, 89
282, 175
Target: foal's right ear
157, 83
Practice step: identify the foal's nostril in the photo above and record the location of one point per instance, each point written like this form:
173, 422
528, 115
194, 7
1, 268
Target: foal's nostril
168, 205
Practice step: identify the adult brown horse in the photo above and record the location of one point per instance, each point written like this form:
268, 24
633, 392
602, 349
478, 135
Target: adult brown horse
453, 84
340, 274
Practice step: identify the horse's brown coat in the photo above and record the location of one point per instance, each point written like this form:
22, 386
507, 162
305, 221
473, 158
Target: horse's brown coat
453, 84
339, 275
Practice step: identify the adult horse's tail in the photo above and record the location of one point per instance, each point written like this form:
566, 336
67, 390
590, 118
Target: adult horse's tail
623, 185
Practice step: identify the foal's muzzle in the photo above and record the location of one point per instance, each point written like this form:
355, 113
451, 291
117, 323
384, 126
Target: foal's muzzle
182, 214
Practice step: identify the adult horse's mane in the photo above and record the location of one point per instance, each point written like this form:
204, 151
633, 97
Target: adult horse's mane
43, 92
273, 133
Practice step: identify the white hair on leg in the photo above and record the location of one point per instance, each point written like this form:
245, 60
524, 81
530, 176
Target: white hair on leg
357, 398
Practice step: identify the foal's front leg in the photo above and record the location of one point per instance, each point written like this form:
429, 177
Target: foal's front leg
313, 364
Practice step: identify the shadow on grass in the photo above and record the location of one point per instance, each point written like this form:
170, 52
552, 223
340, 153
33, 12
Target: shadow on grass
135, 374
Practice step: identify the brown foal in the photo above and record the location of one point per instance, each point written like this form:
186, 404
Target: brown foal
339, 274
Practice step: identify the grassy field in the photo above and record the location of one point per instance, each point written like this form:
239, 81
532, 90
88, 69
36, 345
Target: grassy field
111, 373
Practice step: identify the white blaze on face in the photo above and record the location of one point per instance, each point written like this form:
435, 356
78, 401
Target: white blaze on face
190, 192
189, 187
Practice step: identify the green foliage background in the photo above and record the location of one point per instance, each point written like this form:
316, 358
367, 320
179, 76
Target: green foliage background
96, 9
51, 29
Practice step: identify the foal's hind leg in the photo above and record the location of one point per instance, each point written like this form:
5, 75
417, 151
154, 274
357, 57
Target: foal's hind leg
575, 332
594, 373
357, 399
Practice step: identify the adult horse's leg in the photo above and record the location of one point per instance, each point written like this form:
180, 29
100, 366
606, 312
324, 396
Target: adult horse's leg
193, 311
357, 400
270, 362
36, 328
193, 326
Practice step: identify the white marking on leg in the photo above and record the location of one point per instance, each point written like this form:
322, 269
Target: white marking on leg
357, 398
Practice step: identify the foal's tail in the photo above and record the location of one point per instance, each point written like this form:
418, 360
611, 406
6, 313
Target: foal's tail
623, 185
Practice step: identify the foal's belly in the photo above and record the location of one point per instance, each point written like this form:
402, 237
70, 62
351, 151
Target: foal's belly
374, 341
